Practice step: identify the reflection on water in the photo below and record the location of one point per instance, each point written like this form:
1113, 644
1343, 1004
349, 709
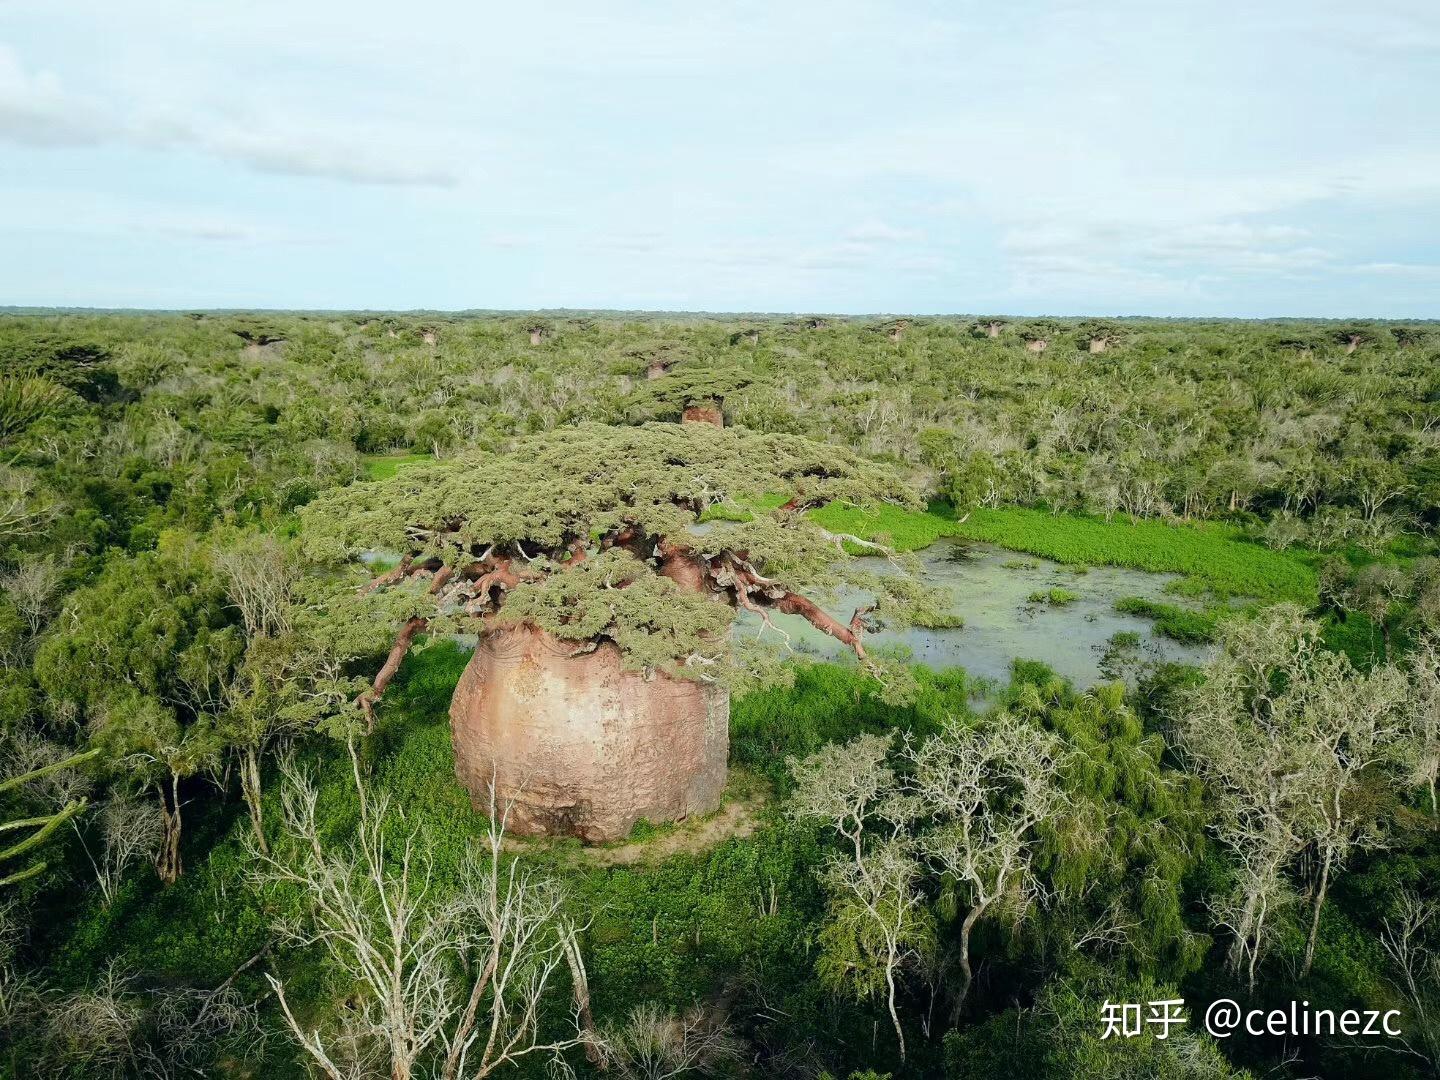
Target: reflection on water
992, 590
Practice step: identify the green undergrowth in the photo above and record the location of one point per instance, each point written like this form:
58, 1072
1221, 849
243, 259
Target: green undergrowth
384, 466
1177, 623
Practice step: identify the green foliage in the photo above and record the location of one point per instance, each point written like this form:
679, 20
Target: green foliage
1213, 556
1177, 623
1055, 596
384, 466
23, 401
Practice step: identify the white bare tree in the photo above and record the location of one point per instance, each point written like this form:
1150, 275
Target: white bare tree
878, 919
1238, 731
1357, 720
1421, 747
33, 587
260, 572
989, 787
1283, 731
1412, 941
452, 987
652, 1044
129, 829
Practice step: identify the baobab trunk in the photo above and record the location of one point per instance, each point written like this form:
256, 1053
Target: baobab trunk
992, 329
537, 336
1099, 344
1037, 346
583, 746
706, 412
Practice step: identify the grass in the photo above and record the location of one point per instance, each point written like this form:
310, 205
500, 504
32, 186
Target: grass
904, 530
1177, 623
1055, 596
384, 466
1213, 558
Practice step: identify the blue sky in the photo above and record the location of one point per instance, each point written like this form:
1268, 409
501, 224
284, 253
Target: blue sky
1164, 157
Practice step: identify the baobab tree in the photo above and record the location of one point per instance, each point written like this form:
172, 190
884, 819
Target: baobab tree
1037, 335
988, 326
691, 394
1352, 337
1099, 337
602, 612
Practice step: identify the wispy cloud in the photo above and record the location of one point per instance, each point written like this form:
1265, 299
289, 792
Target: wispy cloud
37, 111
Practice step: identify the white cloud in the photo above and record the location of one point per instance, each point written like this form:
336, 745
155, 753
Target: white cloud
35, 110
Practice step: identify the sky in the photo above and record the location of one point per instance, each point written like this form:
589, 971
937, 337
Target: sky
1164, 157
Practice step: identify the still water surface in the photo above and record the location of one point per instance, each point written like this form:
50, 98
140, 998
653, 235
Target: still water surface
991, 590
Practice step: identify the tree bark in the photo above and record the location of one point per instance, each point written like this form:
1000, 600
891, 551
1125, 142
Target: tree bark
1315, 913
966, 975
250, 790
894, 1015
167, 862
403, 641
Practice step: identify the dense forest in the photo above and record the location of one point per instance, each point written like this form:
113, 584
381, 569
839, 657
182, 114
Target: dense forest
245, 559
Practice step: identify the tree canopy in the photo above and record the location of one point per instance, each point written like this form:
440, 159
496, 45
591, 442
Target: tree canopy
627, 534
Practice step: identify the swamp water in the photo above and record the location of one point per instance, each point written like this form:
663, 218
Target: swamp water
991, 588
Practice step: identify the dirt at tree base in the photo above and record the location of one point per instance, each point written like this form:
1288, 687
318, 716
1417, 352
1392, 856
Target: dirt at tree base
737, 819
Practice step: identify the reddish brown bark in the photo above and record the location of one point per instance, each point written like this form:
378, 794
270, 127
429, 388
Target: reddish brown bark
390, 577
708, 412
795, 604
403, 641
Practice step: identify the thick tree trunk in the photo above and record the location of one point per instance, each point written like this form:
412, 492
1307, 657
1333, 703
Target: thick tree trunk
581, 745
704, 413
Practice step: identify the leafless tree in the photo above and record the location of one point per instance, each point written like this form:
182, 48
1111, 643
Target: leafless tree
878, 920
259, 571
655, 1045
94, 1030
841, 784
989, 787
32, 587
1410, 941
129, 829
374, 911
1422, 742
1356, 719
1282, 731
